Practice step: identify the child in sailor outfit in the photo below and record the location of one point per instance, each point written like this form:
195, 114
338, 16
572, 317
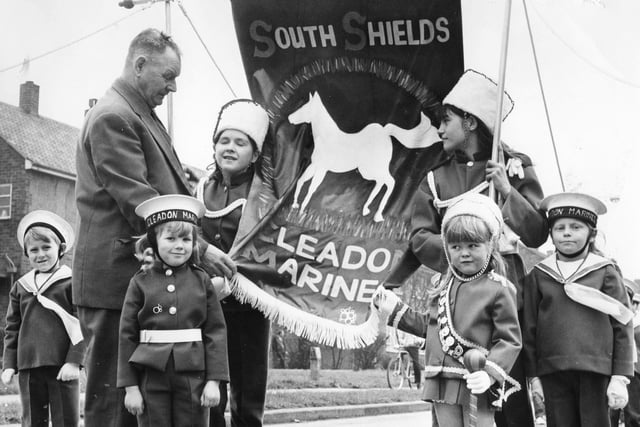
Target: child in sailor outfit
173, 346
577, 329
471, 307
42, 338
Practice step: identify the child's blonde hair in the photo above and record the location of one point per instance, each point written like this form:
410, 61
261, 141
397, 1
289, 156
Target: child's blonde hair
147, 243
43, 234
469, 228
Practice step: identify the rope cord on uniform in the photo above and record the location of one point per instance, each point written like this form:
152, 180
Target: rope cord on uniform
544, 98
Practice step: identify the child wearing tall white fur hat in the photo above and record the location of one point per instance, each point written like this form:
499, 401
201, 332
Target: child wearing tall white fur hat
467, 132
172, 352
238, 141
577, 322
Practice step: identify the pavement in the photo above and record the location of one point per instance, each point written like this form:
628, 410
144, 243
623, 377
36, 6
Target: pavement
296, 415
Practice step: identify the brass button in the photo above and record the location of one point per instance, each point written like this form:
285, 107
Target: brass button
171, 288
172, 310
217, 236
168, 272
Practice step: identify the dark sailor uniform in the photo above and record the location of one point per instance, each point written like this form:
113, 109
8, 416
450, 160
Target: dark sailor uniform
176, 301
247, 328
36, 345
574, 348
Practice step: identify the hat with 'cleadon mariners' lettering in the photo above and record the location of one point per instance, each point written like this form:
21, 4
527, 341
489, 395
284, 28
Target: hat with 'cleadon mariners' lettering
170, 207
573, 205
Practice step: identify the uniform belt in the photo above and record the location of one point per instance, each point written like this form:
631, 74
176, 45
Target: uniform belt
170, 335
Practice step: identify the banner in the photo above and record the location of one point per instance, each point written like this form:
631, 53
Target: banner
353, 90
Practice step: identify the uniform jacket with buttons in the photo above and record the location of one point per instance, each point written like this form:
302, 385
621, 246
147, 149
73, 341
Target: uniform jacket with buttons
484, 312
181, 298
224, 203
456, 176
560, 334
124, 157
34, 335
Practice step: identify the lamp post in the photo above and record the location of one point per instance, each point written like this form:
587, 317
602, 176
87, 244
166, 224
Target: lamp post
129, 4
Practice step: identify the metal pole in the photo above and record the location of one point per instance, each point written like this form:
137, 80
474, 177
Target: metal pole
503, 68
167, 12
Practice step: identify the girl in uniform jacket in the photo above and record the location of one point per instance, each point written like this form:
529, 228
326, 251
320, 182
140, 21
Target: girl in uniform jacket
237, 143
577, 329
471, 307
172, 353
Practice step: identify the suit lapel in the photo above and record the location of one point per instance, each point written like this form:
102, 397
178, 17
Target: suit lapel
155, 127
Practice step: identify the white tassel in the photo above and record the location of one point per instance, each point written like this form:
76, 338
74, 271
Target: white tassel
304, 324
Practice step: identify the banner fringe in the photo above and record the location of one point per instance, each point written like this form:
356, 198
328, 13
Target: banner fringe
304, 324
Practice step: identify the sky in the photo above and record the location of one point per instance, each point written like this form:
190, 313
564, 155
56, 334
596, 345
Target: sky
587, 54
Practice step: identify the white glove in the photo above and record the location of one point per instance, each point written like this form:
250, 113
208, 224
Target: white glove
221, 285
478, 382
536, 387
7, 375
385, 301
617, 394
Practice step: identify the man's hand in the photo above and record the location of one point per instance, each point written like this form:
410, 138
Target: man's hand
69, 372
133, 400
210, 394
217, 263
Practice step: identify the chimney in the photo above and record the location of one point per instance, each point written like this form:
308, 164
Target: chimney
29, 97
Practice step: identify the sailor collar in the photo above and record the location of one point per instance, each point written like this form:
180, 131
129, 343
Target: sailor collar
592, 263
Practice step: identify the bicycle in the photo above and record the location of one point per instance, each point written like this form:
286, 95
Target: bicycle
400, 368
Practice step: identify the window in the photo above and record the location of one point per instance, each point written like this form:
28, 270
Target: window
5, 201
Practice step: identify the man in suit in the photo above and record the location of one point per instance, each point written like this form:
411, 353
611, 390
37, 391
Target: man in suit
124, 157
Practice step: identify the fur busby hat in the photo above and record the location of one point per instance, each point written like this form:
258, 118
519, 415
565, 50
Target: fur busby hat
477, 94
245, 116
170, 207
477, 205
42, 218
573, 205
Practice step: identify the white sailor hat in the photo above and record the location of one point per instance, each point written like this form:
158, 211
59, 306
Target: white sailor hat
477, 94
477, 205
573, 205
170, 207
245, 116
42, 218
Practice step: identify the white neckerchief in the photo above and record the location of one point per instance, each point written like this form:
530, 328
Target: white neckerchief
582, 294
71, 324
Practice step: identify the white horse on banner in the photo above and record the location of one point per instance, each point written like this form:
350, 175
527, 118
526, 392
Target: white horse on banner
369, 151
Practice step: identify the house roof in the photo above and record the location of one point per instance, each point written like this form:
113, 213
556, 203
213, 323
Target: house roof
43, 141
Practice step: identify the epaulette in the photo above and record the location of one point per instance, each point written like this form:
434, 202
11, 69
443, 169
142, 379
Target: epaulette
435, 279
500, 279
197, 267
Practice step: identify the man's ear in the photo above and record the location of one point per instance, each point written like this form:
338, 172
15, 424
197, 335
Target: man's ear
138, 64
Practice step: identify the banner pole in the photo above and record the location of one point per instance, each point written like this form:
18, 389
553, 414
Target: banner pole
501, 77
